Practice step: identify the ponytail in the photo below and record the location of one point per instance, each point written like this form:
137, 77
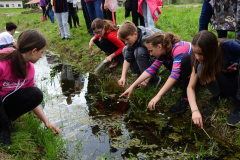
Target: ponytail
167, 40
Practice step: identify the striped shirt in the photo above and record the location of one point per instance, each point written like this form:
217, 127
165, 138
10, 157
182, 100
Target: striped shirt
179, 50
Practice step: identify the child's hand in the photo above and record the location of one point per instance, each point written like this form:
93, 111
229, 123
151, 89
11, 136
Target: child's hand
127, 93
105, 7
197, 118
122, 82
108, 59
91, 45
153, 102
53, 127
143, 84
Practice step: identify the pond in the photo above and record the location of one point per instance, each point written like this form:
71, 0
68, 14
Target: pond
99, 125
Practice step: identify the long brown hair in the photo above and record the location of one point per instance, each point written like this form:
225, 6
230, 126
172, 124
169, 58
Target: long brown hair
167, 40
27, 41
99, 24
213, 61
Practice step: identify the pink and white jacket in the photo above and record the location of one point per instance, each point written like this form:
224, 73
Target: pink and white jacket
10, 82
153, 6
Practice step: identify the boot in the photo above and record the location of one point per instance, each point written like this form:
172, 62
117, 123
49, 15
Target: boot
234, 116
114, 63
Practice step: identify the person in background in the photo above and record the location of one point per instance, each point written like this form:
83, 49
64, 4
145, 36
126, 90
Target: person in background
106, 39
49, 10
6, 38
86, 17
150, 10
107, 14
61, 14
75, 8
20, 95
43, 6
71, 14
94, 9
216, 63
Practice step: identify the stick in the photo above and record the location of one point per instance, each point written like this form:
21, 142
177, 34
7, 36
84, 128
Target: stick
206, 133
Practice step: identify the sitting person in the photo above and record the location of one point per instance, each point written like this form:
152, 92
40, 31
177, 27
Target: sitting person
175, 55
106, 39
136, 55
216, 64
6, 38
19, 95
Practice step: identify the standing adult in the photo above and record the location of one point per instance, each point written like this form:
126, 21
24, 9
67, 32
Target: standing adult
107, 14
61, 14
94, 11
71, 14
132, 5
150, 10
43, 6
86, 17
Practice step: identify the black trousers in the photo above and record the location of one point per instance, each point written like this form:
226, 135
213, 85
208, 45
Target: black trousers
136, 15
108, 47
71, 15
86, 17
44, 11
19, 103
108, 14
186, 70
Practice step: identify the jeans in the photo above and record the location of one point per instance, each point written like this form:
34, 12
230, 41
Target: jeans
136, 15
148, 19
19, 103
205, 17
51, 15
94, 10
62, 19
226, 83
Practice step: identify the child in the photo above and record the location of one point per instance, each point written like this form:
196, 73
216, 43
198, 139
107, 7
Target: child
17, 92
106, 39
6, 38
216, 63
175, 55
61, 13
136, 55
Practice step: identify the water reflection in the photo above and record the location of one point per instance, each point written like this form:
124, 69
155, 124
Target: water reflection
88, 110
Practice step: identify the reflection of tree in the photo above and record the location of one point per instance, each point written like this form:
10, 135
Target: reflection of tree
71, 82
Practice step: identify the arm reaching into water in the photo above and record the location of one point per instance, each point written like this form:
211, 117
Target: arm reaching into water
39, 113
196, 115
169, 83
140, 79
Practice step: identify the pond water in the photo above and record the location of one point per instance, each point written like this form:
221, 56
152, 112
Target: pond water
89, 112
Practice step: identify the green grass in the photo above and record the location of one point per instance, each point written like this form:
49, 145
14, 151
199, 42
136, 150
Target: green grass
181, 21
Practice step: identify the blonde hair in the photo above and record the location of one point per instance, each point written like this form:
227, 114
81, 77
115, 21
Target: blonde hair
167, 40
127, 28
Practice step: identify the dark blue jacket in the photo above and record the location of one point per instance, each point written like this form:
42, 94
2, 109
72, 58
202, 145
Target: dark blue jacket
60, 6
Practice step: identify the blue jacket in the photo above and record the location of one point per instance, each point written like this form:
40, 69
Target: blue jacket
60, 6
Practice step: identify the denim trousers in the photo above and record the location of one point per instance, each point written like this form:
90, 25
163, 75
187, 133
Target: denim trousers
205, 17
94, 10
51, 15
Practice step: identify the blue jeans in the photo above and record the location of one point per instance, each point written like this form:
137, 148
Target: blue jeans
51, 15
205, 17
94, 10
148, 19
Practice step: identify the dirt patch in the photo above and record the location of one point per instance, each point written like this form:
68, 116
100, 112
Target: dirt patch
7, 14
4, 156
32, 11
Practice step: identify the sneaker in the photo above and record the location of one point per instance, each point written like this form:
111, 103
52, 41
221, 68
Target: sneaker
179, 107
5, 134
211, 106
234, 116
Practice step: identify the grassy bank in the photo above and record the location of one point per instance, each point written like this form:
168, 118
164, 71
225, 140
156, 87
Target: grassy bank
181, 21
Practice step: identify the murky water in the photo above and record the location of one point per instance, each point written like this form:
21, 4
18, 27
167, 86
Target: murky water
88, 111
